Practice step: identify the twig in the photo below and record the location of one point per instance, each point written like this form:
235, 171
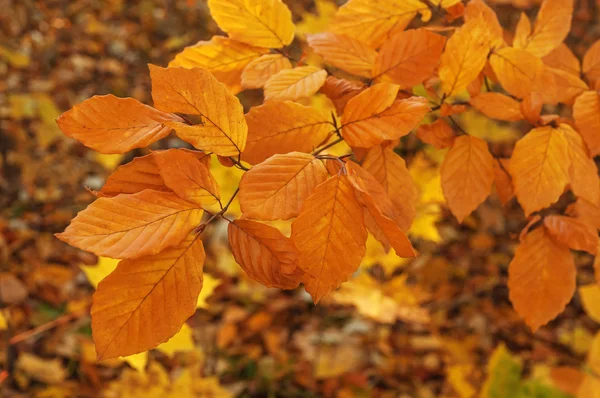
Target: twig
457, 125
221, 213
48, 325
318, 151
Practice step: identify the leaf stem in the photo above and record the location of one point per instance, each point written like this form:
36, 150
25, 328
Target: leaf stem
221, 213
318, 151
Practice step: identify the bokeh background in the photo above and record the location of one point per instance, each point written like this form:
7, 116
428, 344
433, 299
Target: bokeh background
453, 333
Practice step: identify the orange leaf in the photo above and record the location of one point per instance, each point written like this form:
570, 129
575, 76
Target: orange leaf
197, 92
522, 31
330, 234
556, 86
540, 168
563, 58
282, 127
187, 176
439, 134
374, 22
551, 27
409, 57
340, 91
375, 115
478, 8
517, 70
263, 23
130, 226
276, 188
531, 107
504, 186
541, 278
378, 206
109, 124
586, 112
136, 307
265, 254
591, 63
465, 56
583, 172
389, 169
498, 106
567, 379
573, 232
293, 84
142, 173
223, 57
344, 52
467, 175
260, 70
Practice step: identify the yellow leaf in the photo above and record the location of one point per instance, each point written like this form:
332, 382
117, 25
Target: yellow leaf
281, 127
375, 115
262, 23
344, 52
424, 224
330, 234
265, 254
540, 168
259, 71
374, 22
458, 378
197, 92
95, 273
137, 361
465, 56
522, 31
517, 70
109, 124
133, 310
109, 162
223, 57
182, 341
293, 84
551, 27
590, 298
593, 359
140, 224
277, 188
3, 323
541, 278
467, 175
209, 284
478, 8
409, 57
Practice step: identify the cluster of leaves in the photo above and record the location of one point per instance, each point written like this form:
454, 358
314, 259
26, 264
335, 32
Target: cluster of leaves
150, 212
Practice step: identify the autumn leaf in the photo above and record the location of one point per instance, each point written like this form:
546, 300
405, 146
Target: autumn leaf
583, 172
344, 52
375, 115
195, 91
276, 188
498, 106
556, 86
563, 58
389, 169
572, 232
439, 134
467, 175
380, 214
223, 57
187, 176
109, 124
131, 226
282, 127
541, 278
409, 57
258, 71
586, 112
133, 310
293, 84
590, 297
551, 27
340, 91
504, 185
374, 22
330, 234
265, 254
262, 23
540, 168
591, 63
517, 70
464, 57
479, 9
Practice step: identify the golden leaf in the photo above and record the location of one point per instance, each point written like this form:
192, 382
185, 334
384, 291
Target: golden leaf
293, 84
498, 106
259, 71
344, 52
517, 70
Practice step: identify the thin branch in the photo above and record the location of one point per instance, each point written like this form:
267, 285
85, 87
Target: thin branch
200, 228
48, 325
318, 151
457, 125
